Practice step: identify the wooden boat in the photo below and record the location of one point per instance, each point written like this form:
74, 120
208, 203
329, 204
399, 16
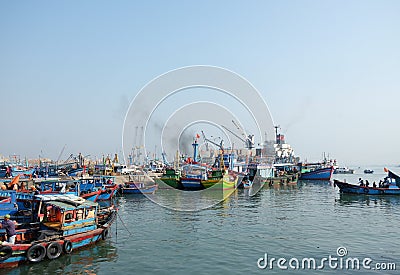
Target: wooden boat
171, 177
214, 176
310, 172
7, 171
137, 185
107, 185
389, 186
91, 195
65, 223
192, 176
27, 172
138, 188
82, 188
229, 181
260, 173
8, 203
368, 171
108, 193
391, 189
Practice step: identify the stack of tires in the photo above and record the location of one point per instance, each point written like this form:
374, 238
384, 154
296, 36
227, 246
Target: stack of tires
53, 250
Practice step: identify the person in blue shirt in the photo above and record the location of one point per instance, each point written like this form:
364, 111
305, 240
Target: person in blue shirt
9, 226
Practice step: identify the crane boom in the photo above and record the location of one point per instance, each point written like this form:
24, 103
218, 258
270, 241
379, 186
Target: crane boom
248, 140
239, 129
233, 133
164, 156
212, 142
62, 151
205, 139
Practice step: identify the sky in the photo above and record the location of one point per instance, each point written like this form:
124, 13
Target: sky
328, 70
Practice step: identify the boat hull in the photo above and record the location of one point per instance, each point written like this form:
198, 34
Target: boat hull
208, 183
173, 182
191, 183
108, 193
348, 188
141, 190
317, 174
19, 254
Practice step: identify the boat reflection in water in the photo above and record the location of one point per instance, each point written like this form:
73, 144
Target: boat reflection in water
355, 200
83, 261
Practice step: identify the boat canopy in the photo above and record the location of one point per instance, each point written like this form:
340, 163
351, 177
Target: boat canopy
66, 206
69, 199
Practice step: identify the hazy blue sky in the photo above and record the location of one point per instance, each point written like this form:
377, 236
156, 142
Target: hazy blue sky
328, 70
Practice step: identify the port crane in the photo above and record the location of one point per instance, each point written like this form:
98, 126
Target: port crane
247, 139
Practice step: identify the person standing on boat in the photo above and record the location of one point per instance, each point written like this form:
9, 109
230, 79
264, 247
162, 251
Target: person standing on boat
9, 226
8, 172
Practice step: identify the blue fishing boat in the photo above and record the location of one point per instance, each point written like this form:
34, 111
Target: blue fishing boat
13, 171
390, 185
5, 171
82, 188
138, 188
192, 176
310, 172
192, 173
8, 203
139, 183
106, 184
65, 223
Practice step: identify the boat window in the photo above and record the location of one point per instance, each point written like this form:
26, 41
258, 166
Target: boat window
90, 214
79, 214
52, 214
69, 217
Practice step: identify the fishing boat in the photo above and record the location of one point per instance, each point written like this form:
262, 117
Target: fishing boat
13, 171
107, 185
171, 177
229, 181
86, 189
315, 172
192, 176
214, 176
83, 188
65, 223
343, 170
390, 185
8, 203
368, 171
138, 188
390, 189
137, 185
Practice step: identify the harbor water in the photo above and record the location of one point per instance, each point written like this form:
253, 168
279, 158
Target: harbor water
307, 220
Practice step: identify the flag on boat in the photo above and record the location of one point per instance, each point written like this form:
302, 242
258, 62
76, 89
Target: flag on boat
14, 181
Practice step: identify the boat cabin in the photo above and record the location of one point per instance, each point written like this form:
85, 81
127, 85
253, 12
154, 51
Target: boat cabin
194, 172
68, 214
